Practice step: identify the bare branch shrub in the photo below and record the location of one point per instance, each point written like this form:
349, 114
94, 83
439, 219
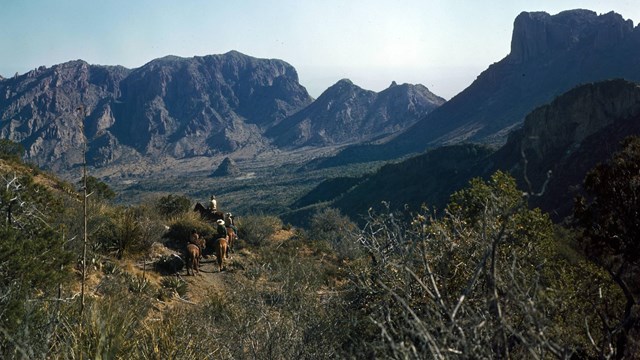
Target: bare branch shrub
475, 283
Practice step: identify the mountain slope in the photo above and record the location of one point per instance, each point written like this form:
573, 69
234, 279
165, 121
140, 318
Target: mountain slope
171, 107
566, 138
549, 56
203, 105
190, 111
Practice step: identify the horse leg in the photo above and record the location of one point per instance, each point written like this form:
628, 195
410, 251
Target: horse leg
195, 263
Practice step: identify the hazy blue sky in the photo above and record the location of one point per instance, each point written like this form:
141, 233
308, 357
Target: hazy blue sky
443, 44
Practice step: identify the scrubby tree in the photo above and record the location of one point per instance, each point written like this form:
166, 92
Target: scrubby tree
33, 263
98, 190
331, 226
125, 230
173, 205
609, 219
10, 150
257, 229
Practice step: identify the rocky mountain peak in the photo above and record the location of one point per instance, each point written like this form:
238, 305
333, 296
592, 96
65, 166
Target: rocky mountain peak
171, 107
538, 33
345, 113
342, 86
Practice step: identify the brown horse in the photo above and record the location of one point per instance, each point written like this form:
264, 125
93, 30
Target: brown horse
232, 236
222, 251
194, 253
207, 214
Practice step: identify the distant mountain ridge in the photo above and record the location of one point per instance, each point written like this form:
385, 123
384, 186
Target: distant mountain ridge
348, 113
179, 108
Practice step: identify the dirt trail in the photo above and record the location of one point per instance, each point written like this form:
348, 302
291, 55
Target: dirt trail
210, 280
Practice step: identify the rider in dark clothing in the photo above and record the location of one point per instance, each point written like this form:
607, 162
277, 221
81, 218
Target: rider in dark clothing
222, 231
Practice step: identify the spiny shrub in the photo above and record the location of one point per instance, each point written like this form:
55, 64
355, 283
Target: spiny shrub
176, 285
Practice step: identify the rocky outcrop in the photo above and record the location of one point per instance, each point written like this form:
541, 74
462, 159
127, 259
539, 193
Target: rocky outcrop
45, 110
346, 113
538, 34
568, 137
227, 167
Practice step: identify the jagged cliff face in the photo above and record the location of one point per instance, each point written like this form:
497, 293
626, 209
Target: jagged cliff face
347, 113
204, 105
538, 34
40, 108
550, 54
170, 107
569, 137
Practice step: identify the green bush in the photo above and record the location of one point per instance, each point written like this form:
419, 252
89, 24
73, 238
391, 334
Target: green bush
484, 279
10, 150
257, 229
173, 205
97, 189
331, 226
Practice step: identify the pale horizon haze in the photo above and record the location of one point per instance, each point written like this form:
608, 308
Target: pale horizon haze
442, 44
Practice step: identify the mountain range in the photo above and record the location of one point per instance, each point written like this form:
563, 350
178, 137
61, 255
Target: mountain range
181, 108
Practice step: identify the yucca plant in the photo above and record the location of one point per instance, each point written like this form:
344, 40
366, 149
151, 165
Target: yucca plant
175, 284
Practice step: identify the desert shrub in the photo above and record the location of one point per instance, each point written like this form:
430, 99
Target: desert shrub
256, 326
185, 333
180, 229
11, 150
111, 268
331, 226
173, 205
257, 229
125, 230
139, 285
34, 262
107, 329
97, 189
609, 228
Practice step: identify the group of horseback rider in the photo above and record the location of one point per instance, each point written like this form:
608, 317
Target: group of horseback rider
225, 227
